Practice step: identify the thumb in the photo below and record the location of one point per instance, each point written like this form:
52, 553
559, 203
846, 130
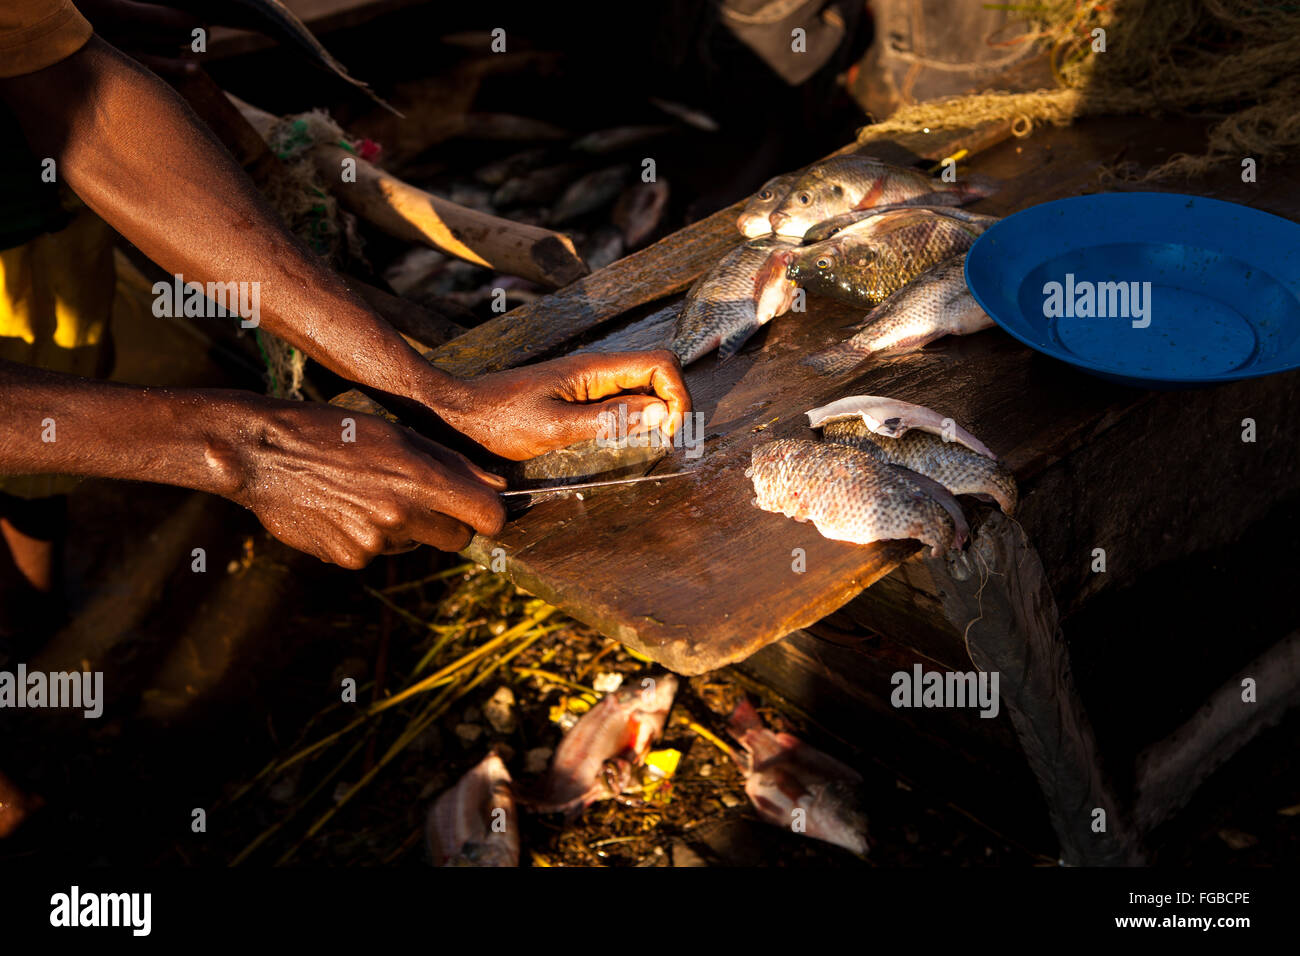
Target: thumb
615, 418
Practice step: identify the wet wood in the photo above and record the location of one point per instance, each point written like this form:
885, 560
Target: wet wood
1001, 605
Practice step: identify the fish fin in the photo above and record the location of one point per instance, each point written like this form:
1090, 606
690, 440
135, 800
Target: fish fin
731, 344
910, 344
944, 498
838, 358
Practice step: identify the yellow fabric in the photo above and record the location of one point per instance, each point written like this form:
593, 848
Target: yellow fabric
56, 300
35, 34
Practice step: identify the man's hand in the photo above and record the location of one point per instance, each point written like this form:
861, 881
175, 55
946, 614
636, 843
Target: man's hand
349, 501
526, 412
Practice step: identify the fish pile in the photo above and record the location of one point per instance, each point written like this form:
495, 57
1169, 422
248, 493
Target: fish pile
887, 470
851, 228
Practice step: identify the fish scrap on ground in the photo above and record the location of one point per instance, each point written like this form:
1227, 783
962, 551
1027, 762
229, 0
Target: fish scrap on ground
852, 496
597, 758
721, 310
784, 775
475, 823
957, 466
936, 303
843, 183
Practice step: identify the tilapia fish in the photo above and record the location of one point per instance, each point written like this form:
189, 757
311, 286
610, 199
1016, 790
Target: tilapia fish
753, 221
934, 304
866, 263
852, 496
720, 311
843, 183
475, 823
783, 775
858, 421
596, 759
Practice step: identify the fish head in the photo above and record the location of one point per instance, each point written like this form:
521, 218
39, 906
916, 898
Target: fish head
754, 218
773, 289
810, 201
830, 264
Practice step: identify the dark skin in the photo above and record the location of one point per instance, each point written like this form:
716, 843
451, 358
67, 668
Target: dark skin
136, 154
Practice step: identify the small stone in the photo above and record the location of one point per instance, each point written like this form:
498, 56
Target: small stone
729, 799
500, 710
607, 683
538, 759
706, 770
468, 733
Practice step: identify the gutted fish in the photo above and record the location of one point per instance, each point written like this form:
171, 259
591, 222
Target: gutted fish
844, 183
475, 823
597, 758
796, 786
892, 419
720, 311
866, 263
936, 303
953, 465
852, 496
753, 221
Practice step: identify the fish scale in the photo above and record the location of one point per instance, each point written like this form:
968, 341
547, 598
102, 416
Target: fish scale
847, 494
956, 467
865, 264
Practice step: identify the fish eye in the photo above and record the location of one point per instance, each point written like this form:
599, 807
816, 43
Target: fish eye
824, 262
765, 194
804, 199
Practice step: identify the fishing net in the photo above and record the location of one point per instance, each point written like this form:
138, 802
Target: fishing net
314, 216
1234, 61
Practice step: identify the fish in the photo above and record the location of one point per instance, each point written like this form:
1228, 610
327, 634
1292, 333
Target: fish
535, 186
893, 419
783, 775
953, 465
691, 117
640, 211
591, 192
273, 19
851, 496
603, 246
475, 822
866, 263
720, 310
499, 172
753, 221
844, 183
598, 756
934, 304
618, 138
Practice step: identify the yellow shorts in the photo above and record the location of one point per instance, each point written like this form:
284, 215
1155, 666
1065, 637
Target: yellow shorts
56, 299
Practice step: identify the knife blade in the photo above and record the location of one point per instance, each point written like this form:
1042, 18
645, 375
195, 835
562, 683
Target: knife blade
593, 484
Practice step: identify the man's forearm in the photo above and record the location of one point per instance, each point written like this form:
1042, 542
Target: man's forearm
137, 155
60, 424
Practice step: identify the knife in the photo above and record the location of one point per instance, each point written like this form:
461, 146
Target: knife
593, 484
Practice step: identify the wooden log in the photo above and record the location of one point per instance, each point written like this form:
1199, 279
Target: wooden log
1002, 605
1169, 772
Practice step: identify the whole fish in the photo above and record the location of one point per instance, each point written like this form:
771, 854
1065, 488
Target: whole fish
640, 210
866, 263
273, 19
953, 465
500, 171
720, 311
934, 304
535, 186
619, 138
475, 823
851, 496
596, 758
590, 193
784, 775
843, 183
753, 221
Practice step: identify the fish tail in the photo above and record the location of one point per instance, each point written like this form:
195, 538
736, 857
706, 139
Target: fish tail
837, 359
